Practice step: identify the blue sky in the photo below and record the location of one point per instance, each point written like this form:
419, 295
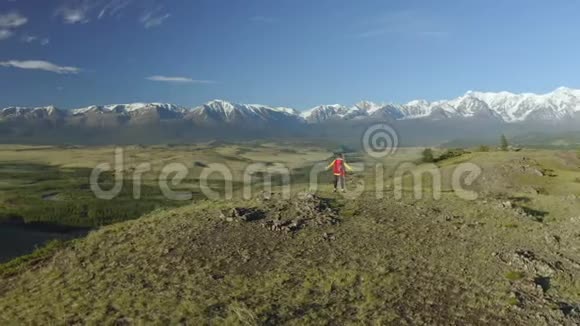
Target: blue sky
295, 53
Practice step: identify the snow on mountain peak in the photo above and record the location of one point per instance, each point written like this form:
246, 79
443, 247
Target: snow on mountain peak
507, 106
325, 112
285, 110
229, 107
221, 105
127, 108
559, 104
417, 103
563, 89
369, 107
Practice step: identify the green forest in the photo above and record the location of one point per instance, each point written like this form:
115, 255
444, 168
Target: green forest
47, 194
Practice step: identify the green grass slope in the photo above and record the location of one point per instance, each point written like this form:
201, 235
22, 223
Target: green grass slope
304, 260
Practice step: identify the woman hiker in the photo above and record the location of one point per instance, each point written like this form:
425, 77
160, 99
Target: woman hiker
338, 169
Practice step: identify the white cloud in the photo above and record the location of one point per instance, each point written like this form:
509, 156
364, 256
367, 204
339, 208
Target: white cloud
84, 11
154, 17
9, 22
12, 20
179, 80
74, 15
113, 8
40, 65
32, 39
5, 34
29, 39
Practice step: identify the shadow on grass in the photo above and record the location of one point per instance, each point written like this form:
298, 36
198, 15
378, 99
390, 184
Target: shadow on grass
535, 214
520, 199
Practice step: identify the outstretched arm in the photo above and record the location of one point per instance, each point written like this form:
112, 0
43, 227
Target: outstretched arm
347, 166
331, 164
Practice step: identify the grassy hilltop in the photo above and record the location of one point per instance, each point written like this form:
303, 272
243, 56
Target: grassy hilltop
508, 257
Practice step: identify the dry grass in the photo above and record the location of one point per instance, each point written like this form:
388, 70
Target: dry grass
389, 261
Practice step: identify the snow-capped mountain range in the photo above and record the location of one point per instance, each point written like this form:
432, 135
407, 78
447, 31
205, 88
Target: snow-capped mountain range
561, 104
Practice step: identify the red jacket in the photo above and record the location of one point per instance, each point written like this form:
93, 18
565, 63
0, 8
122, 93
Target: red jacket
338, 167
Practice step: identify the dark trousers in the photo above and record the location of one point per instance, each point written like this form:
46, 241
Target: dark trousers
339, 180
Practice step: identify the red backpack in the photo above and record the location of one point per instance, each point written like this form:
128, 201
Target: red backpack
338, 168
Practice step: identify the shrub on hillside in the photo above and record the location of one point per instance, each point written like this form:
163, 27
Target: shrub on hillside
483, 148
503, 145
451, 153
427, 156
